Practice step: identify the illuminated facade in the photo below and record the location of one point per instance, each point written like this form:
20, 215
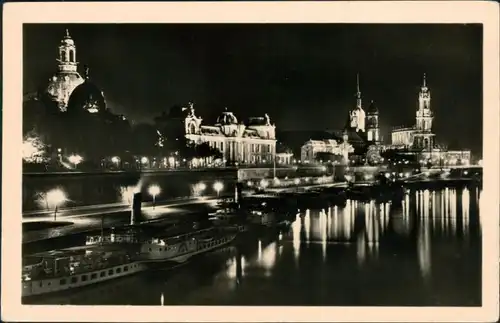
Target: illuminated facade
421, 139
310, 150
250, 143
67, 78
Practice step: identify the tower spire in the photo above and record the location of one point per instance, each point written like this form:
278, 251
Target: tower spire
358, 92
425, 81
67, 33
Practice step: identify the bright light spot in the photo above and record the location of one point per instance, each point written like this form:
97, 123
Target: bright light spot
218, 186
144, 160
387, 175
154, 190
75, 159
33, 149
249, 183
296, 181
480, 162
348, 178
276, 181
400, 174
115, 160
127, 193
264, 183
407, 174
323, 168
202, 186
368, 176
55, 197
466, 172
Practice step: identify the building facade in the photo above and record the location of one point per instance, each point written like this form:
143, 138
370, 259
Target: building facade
67, 78
251, 143
420, 138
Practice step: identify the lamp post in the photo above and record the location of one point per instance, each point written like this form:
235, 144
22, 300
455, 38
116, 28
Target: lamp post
116, 160
55, 197
153, 191
218, 186
75, 160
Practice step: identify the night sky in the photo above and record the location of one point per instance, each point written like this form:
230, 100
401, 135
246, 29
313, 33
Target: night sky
303, 75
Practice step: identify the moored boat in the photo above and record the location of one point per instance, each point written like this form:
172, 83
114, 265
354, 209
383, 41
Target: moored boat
66, 269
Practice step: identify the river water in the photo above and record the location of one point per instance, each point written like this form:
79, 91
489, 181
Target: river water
423, 251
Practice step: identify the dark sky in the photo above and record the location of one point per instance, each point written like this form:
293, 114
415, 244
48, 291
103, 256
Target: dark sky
303, 75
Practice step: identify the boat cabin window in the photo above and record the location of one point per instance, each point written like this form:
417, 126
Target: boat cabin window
118, 270
84, 278
93, 276
110, 272
161, 249
62, 282
103, 274
74, 280
125, 268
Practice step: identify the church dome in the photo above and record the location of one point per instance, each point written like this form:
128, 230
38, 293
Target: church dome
372, 109
87, 96
227, 118
61, 85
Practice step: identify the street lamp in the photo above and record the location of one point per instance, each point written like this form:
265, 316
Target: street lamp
264, 183
115, 160
201, 187
55, 197
218, 186
75, 159
153, 191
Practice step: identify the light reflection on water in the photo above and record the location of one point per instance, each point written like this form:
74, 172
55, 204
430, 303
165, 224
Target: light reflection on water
360, 254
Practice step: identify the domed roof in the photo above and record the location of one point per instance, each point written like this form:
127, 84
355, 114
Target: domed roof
87, 96
61, 85
372, 109
227, 118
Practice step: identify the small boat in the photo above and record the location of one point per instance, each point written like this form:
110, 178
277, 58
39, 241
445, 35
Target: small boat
71, 268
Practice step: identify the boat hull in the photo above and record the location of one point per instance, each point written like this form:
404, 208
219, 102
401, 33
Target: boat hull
53, 285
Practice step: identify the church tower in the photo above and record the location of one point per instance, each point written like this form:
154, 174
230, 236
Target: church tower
67, 54
356, 117
372, 128
424, 138
66, 79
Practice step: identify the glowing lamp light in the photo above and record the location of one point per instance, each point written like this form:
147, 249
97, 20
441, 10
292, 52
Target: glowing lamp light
75, 159
348, 178
264, 183
144, 160
154, 190
56, 197
387, 175
368, 177
218, 186
202, 186
249, 183
296, 181
277, 181
115, 159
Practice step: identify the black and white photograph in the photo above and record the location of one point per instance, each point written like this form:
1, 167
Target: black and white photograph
247, 163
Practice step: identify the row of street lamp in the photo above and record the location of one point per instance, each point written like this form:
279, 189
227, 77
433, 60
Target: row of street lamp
56, 197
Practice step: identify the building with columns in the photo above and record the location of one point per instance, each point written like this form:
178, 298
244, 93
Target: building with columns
249, 143
67, 78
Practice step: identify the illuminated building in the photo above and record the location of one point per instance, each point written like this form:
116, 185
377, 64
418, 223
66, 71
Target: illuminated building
419, 139
66, 79
253, 142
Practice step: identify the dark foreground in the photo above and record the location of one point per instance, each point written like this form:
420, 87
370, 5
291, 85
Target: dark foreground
424, 251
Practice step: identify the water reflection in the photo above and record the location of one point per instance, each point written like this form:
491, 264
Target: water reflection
329, 257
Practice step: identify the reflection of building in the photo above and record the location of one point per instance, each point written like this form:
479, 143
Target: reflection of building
250, 143
67, 78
